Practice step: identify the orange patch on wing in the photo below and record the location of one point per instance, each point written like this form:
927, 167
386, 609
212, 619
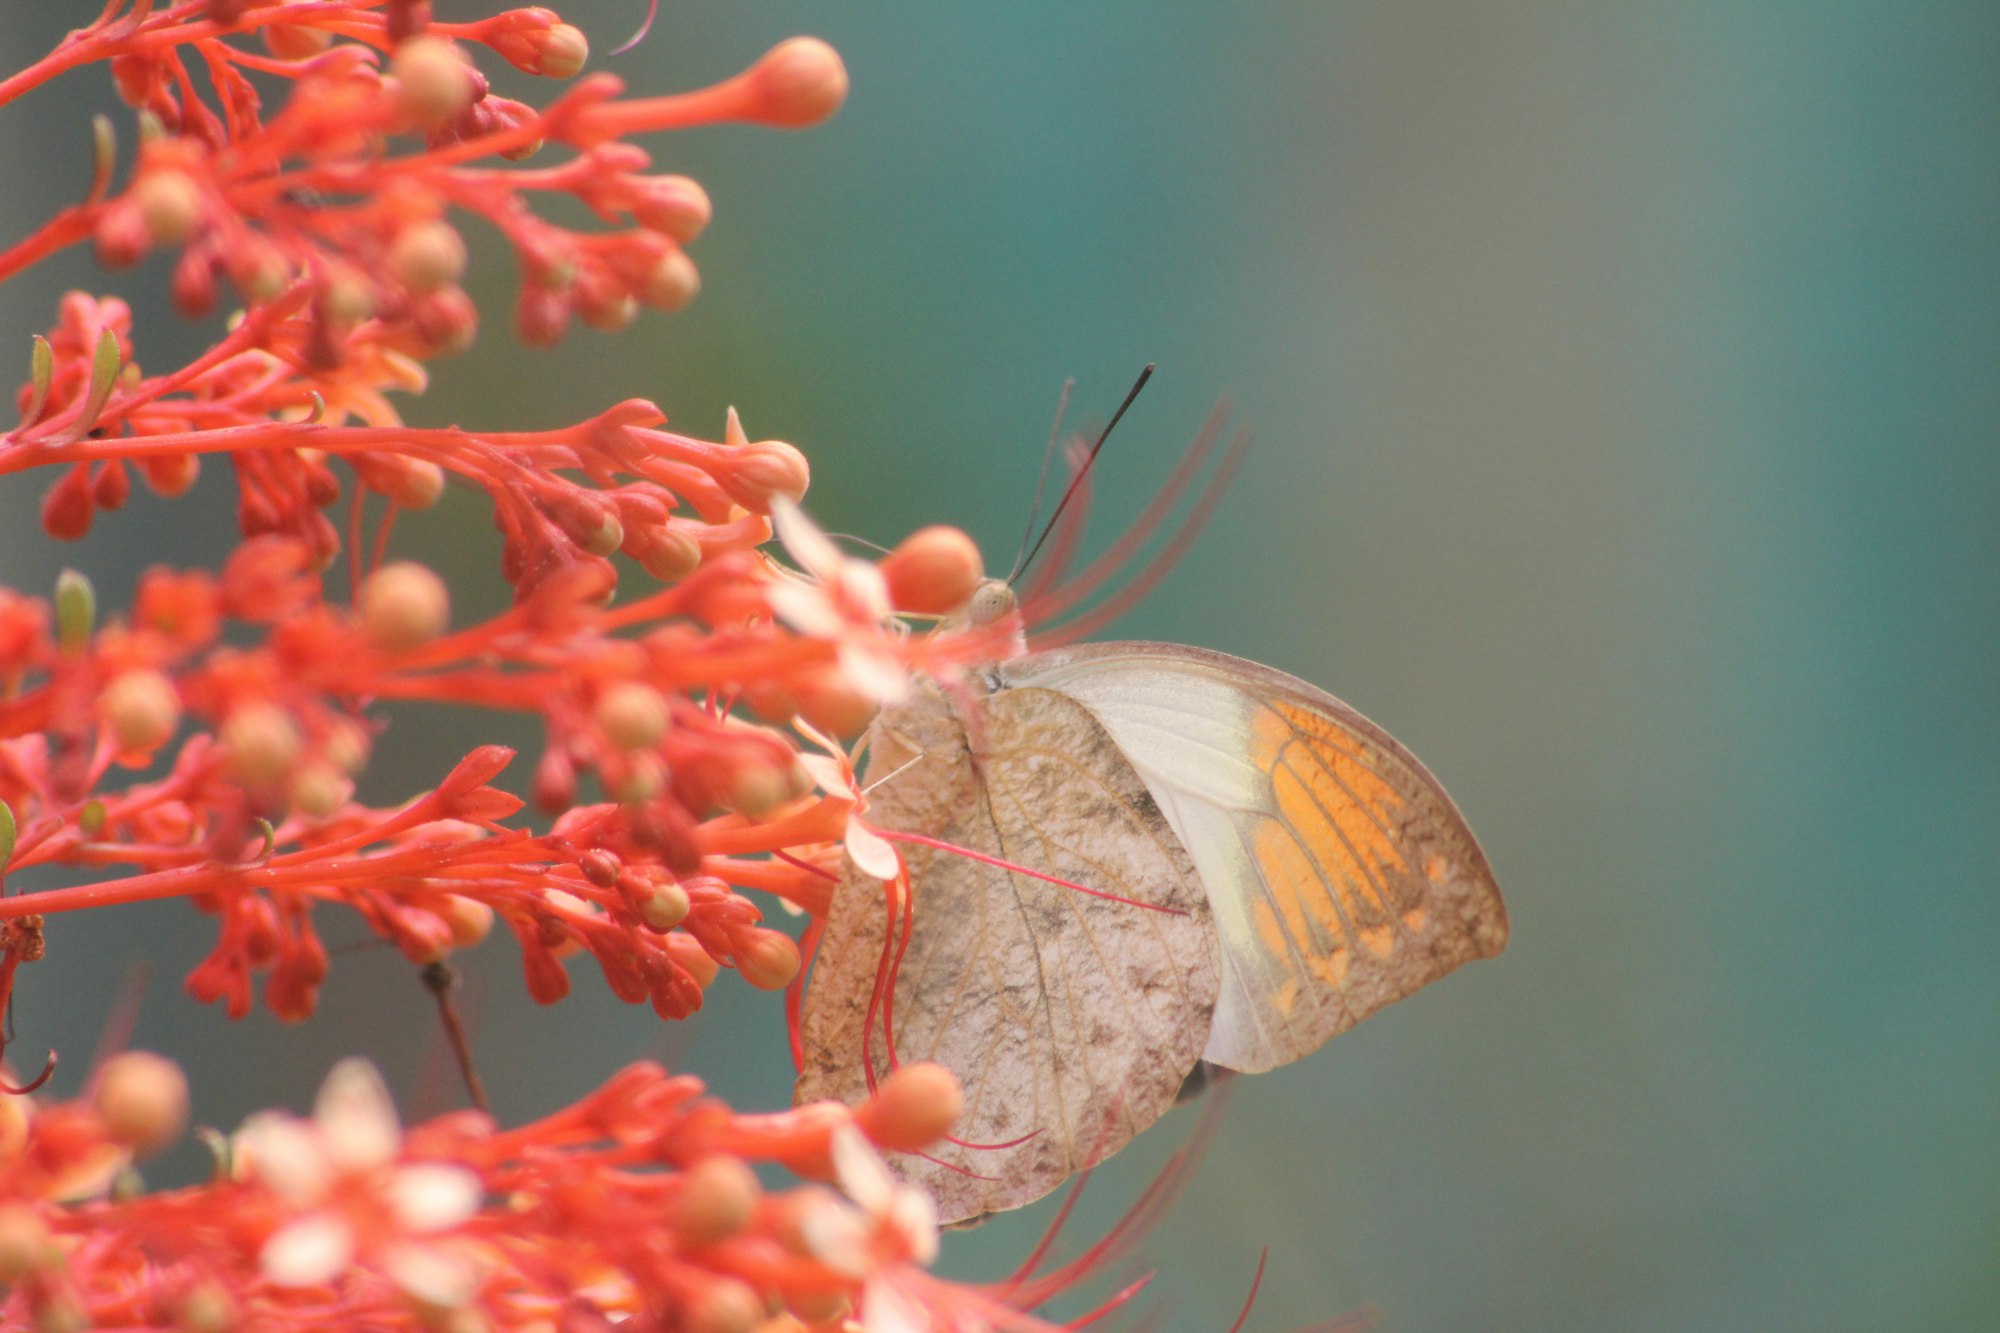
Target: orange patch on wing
1309, 923
1343, 809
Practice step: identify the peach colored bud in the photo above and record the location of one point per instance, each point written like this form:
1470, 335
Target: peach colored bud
718, 1199
470, 920
404, 605
758, 471
664, 906
428, 255
295, 41
632, 715
435, 83
674, 206
25, 1243
170, 202
141, 708
142, 1099
912, 1108
723, 1305
669, 555
318, 789
798, 82
262, 743
418, 485
672, 284
933, 571
767, 959
829, 702
346, 294
757, 789
560, 52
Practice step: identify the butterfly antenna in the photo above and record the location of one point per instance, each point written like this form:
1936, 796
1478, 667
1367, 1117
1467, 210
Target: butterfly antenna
1042, 482
1084, 470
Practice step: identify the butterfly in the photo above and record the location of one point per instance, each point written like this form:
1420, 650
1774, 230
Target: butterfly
1130, 864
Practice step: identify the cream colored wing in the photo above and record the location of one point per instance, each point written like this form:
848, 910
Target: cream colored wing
1071, 1020
1340, 875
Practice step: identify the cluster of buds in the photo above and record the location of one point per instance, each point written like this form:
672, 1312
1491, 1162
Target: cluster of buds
205, 742
635, 1206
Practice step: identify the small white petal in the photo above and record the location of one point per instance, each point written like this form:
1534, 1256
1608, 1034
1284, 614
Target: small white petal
810, 548
914, 1217
860, 1171
357, 1120
431, 1196
828, 774
836, 1236
805, 609
431, 1275
313, 1250
864, 588
885, 1309
874, 673
284, 1153
871, 852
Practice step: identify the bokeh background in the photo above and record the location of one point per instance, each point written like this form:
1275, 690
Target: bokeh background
1627, 424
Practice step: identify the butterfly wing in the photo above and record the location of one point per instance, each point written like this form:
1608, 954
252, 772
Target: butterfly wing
1340, 876
1071, 1020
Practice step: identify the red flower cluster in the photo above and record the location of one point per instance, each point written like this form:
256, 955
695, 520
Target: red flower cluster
204, 742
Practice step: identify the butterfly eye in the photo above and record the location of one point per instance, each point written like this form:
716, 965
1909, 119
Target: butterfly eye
990, 601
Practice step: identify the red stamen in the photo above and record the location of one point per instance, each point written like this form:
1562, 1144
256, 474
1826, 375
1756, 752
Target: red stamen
922, 841
1251, 1298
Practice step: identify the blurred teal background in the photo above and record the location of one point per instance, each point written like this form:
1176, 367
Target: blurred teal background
1628, 443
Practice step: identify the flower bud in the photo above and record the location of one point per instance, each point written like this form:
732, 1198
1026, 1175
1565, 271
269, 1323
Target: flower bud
672, 283
912, 1108
170, 202
142, 1099
404, 605
797, 83
767, 959
664, 906
933, 571
718, 1199
674, 206
25, 1243
435, 83
318, 789
632, 715
427, 255
142, 710
470, 920
262, 743
756, 472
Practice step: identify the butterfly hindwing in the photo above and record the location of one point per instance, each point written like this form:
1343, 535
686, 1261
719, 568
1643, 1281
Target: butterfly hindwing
1070, 1019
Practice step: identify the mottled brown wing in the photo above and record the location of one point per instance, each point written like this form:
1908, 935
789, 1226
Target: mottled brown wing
1340, 875
1071, 1020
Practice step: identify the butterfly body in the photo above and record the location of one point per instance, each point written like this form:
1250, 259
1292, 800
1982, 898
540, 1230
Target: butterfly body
1267, 868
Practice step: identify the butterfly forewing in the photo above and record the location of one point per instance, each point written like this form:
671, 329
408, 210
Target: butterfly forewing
1072, 1020
1340, 876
